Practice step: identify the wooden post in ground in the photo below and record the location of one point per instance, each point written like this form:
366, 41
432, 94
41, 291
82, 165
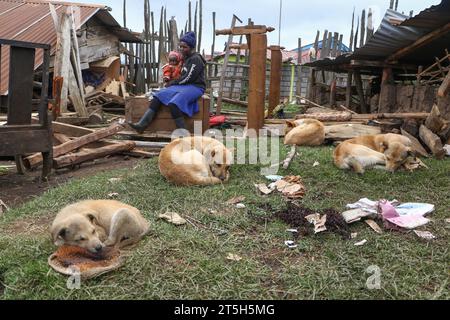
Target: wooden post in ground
363, 28
257, 81
275, 78
324, 44
388, 92
333, 91
312, 85
299, 62
352, 32
359, 86
348, 93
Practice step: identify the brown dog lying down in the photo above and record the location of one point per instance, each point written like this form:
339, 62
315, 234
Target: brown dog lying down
304, 132
194, 161
391, 150
95, 224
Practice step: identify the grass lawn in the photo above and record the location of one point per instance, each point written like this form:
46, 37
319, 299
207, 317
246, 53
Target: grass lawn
190, 263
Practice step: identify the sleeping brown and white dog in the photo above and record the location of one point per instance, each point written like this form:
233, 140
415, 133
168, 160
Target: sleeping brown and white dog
192, 161
391, 150
95, 224
304, 132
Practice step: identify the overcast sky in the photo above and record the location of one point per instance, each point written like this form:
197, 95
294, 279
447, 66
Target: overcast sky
300, 18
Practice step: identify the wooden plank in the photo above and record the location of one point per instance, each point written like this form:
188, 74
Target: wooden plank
348, 92
34, 160
70, 130
363, 108
21, 66
75, 94
91, 154
444, 89
275, 78
420, 42
24, 141
257, 83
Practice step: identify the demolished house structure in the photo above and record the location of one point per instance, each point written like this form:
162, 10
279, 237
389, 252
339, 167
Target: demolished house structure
403, 67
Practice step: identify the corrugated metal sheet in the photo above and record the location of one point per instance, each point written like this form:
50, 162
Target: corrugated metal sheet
31, 21
431, 18
390, 38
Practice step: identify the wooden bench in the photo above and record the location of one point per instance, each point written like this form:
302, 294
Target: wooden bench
135, 107
19, 136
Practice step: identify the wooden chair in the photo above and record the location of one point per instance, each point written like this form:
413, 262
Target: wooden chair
19, 136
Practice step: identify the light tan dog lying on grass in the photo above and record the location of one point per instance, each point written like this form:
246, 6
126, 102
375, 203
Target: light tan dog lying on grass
194, 161
304, 132
95, 224
391, 150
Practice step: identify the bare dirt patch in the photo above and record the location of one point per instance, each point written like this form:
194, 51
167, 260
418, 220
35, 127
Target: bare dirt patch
16, 189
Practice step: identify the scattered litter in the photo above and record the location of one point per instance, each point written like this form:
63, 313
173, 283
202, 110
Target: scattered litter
233, 257
355, 215
316, 164
290, 244
236, 200
425, 235
375, 227
415, 209
447, 220
291, 187
354, 235
3, 207
364, 204
318, 222
115, 180
292, 230
412, 217
173, 217
361, 243
241, 206
113, 195
305, 220
264, 189
274, 178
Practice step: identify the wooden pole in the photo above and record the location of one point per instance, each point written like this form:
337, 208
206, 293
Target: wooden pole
387, 93
257, 81
238, 61
195, 19
189, 17
348, 92
370, 28
339, 50
333, 91
316, 46
200, 27
359, 86
355, 43
363, 28
299, 62
147, 45
352, 31
275, 78
335, 44
323, 51
312, 85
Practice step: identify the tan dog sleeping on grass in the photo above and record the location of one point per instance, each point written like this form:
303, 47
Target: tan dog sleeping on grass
192, 161
391, 150
304, 132
95, 224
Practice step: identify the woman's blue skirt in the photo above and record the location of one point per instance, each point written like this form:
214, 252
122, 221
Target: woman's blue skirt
185, 97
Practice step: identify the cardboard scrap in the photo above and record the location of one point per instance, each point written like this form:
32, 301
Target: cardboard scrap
263, 189
173, 217
361, 243
291, 187
318, 222
236, 200
233, 257
425, 235
375, 227
355, 215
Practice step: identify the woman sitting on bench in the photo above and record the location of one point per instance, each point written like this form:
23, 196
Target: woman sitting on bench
181, 96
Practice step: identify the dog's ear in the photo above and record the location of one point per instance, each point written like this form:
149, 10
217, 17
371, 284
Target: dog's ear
59, 236
92, 218
290, 124
213, 153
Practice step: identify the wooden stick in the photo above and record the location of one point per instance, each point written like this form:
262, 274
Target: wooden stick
200, 27
290, 157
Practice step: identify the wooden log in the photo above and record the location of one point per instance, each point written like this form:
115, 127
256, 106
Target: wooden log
417, 146
363, 28
333, 91
70, 130
246, 30
444, 89
433, 142
61, 138
36, 159
348, 116
352, 34
275, 78
257, 81
434, 121
341, 132
235, 102
91, 154
348, 92
338, 116
363, 108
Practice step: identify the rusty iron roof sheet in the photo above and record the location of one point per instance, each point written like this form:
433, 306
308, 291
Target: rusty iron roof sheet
30, 20
431, 18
